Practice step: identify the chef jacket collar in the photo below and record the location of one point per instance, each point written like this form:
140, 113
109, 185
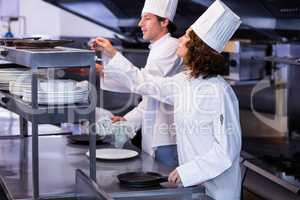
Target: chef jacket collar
159, 41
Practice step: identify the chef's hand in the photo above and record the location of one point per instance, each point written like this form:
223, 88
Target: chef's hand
99, 68
105, 46
174, 177
117, 118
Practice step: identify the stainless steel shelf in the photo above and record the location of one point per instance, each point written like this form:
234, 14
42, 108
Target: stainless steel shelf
44, 114
58, 57
48, 58
283, 60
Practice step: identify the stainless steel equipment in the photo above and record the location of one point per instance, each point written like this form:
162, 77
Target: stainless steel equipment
288, 75
60, 57
58, 167
272, 167
241, 65
51, 58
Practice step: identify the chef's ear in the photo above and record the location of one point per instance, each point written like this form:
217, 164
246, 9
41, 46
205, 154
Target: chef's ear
165, 22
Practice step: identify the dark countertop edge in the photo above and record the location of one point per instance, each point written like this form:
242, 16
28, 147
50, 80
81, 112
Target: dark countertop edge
266, 170
5, 190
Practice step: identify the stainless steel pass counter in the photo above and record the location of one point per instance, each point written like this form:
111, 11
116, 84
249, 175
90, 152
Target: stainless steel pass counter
58, 161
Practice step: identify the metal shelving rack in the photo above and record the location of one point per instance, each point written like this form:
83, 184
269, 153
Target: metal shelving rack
58, 57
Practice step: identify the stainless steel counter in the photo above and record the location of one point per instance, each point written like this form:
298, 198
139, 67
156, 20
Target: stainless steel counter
4, 62
272, 167
58, 161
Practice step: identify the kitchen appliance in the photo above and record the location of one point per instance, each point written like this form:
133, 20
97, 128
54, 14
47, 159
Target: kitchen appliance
290, 166
242, 67
272, 167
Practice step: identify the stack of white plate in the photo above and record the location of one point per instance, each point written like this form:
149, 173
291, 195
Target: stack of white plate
58, 92
17, 87
12, 74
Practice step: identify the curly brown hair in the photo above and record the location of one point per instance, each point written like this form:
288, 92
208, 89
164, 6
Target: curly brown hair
201, 59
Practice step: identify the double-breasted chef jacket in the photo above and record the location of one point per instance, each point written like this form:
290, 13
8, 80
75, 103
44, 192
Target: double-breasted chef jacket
206, 117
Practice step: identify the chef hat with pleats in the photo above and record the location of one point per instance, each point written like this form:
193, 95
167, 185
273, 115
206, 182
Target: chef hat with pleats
162, 8
216, 25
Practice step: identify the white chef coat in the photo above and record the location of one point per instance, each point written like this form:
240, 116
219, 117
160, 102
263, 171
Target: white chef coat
152, 116
206, 115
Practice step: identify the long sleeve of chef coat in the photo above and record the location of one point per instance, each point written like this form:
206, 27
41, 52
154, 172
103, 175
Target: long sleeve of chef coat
225, 149
135, 116
140, 81
162, 61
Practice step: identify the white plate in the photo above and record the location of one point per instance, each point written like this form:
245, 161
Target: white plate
77, 90
59, 96
52, 98
57, 101
56, 85
114, 154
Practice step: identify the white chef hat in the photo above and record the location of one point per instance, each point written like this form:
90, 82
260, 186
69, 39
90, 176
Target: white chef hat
162, 8
216, 25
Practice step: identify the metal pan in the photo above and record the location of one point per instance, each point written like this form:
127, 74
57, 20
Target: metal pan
141, 179
41, 43
10, 41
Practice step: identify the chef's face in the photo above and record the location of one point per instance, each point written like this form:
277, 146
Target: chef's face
183, 40
152, 28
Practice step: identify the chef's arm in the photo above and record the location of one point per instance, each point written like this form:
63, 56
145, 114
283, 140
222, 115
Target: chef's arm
166, 64
223, 152
140, 81
135, 116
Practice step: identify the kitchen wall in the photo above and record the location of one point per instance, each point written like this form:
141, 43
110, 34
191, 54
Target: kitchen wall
45, 19
72, 25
